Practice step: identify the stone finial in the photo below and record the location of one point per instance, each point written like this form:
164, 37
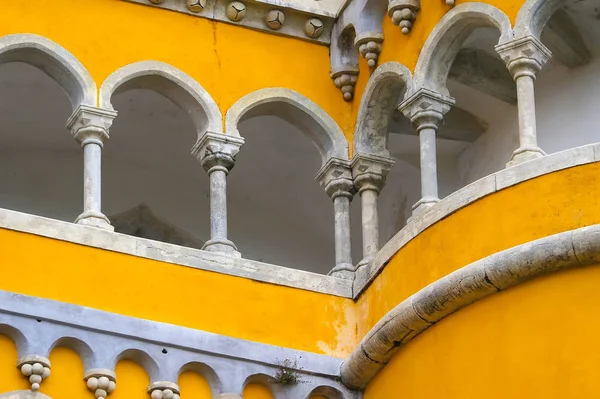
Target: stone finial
313, 28
426, 108
35, 368
91, 124
524, 56
369, 46
345, 80
217, 149
236, 11
101, 382
404, 13
164, 390
370, 171
450, 2
195, 6
336, 178
275, 19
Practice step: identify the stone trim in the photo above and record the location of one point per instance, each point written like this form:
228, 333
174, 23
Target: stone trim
498, 272
181, 256
56, 61
164, 350
183, 91
533, 16
322, 129
467, 195
293, 17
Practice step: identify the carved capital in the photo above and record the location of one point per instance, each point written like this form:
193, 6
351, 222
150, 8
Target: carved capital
35, 368
101, 382
369, 171
336, 178
91, 124
164, 390
369, 46
525, 56
426, 108
217, 150
345, 79
404, 13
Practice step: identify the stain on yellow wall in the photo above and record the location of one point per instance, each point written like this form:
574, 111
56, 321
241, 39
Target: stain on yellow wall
537, 340
557, 202
228, 61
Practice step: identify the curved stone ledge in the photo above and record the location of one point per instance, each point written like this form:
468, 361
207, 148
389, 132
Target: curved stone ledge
505, 269
177, 255
468, 195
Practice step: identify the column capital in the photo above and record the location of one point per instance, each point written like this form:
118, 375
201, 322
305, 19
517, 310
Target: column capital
101, 382
91, 124
524, 56
336, 178
217, 150
426, 108
369, 171
164, 390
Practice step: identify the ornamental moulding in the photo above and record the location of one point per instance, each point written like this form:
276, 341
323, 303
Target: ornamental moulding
404, 13
287, 18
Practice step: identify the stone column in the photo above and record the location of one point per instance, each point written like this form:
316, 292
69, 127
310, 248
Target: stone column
336, 178
216, 152
89, 126
426, 110
524, 58
369, 173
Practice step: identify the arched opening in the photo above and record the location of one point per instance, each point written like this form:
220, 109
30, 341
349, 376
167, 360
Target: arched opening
279, 214
40, 162
147, 166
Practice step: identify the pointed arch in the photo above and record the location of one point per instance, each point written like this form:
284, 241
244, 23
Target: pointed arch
296, 110
378, 103
169, 82
55, 61
533, 15
448, 36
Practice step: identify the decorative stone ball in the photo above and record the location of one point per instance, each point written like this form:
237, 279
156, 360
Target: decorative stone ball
92, 383
156, 1
236, 11
167, 394
46, 373
397, 17
27, 369
196, 5
313, 28
35, 386
450, 2
37, 368
348, 96
111, 386
156, 394
103, 382
275, 19
405, 25
100, 393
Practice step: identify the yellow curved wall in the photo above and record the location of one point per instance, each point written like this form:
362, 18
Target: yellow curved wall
537, 340
550, 204
228, 61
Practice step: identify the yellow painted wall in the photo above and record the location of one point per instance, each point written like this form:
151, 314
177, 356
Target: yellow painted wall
179, 295
537, 208
537, 340
228, 61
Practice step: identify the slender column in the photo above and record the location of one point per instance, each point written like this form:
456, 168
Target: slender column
89, 126
216, 152
426, 110
336, 178
369, 173
524, 58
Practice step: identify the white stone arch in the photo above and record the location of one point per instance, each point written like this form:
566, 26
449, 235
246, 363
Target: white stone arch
53, 60
295, 109
23, 395
533, 15
378, 103
447, 38
169, 82
206, 372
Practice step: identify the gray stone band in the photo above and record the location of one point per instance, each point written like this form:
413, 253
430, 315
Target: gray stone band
498, 272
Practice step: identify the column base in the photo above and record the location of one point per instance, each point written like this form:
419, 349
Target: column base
343, 270
524, 154
220, 246
422, 206
364, 262
94, 219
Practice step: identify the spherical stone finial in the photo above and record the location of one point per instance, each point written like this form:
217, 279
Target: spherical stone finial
196, 5
313, 28
275, 19
236, 11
